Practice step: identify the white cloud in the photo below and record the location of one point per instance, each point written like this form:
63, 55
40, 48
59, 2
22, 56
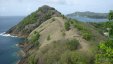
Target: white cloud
65, 6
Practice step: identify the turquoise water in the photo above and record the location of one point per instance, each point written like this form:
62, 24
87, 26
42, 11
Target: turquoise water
86, 19
8, 48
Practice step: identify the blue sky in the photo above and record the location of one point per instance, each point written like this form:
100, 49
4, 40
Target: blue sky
25, 7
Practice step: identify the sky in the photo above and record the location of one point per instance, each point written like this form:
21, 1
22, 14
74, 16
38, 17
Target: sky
25, 7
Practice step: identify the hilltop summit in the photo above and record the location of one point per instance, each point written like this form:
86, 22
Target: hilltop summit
33, 20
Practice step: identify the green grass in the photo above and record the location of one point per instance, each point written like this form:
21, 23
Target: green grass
72, 44
84, 30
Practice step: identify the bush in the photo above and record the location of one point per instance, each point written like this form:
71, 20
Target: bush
67, 25
72, 44
32, 60
105, 53
87, 36
110, 15
53, 19
48, 38
63, 34
63, 17
34, 38
72, 57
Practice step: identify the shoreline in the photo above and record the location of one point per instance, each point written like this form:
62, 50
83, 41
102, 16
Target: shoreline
20, 53
18, 62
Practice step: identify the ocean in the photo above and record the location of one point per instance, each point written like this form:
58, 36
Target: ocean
8, 48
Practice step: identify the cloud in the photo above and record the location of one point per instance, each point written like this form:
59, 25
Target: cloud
25, 7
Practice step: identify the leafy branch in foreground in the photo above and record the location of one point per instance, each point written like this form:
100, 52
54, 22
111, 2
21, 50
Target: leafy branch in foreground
105, 53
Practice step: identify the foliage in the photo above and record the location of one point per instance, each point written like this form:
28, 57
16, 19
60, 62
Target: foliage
63, 34
32, 60
111, 31
34, 38
67, 25
72, 57
105, 53
52, 52
64, 17
110, 16
85, 32
87, 35
53, 19
63, 52
48, 38
80, 26
30, 19
110, 26
72, 44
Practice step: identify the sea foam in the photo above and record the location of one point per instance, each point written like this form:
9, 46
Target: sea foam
6, 35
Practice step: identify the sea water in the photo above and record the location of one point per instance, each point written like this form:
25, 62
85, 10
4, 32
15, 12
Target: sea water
8, 48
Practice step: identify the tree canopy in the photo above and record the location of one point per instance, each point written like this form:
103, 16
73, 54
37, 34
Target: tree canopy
110, 15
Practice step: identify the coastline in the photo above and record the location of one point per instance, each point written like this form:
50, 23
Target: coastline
18, 62
21, 53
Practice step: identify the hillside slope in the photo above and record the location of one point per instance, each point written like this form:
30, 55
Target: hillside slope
33, 20
51, 38
55, 41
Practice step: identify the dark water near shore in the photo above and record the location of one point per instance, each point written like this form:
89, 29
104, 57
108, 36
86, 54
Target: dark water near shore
8, 48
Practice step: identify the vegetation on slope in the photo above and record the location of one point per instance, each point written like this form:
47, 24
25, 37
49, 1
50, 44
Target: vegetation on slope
32, 21
34, 39
67, 25
84, 31
64, 41
105, 53
105, 49
61, 52
110, 16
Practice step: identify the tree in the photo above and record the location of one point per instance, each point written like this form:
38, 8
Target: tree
110, 15
105, 53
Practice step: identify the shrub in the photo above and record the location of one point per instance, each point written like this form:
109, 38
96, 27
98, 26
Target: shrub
87, 35
32, 60
53, 19
105, 53
72, 57
67, 25
48, 38
63, 34
34, 38
110, 15
63, 17
72, 44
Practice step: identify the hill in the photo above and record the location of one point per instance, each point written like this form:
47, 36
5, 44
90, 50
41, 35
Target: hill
54, 41
57, 39
89, 14
33, 20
